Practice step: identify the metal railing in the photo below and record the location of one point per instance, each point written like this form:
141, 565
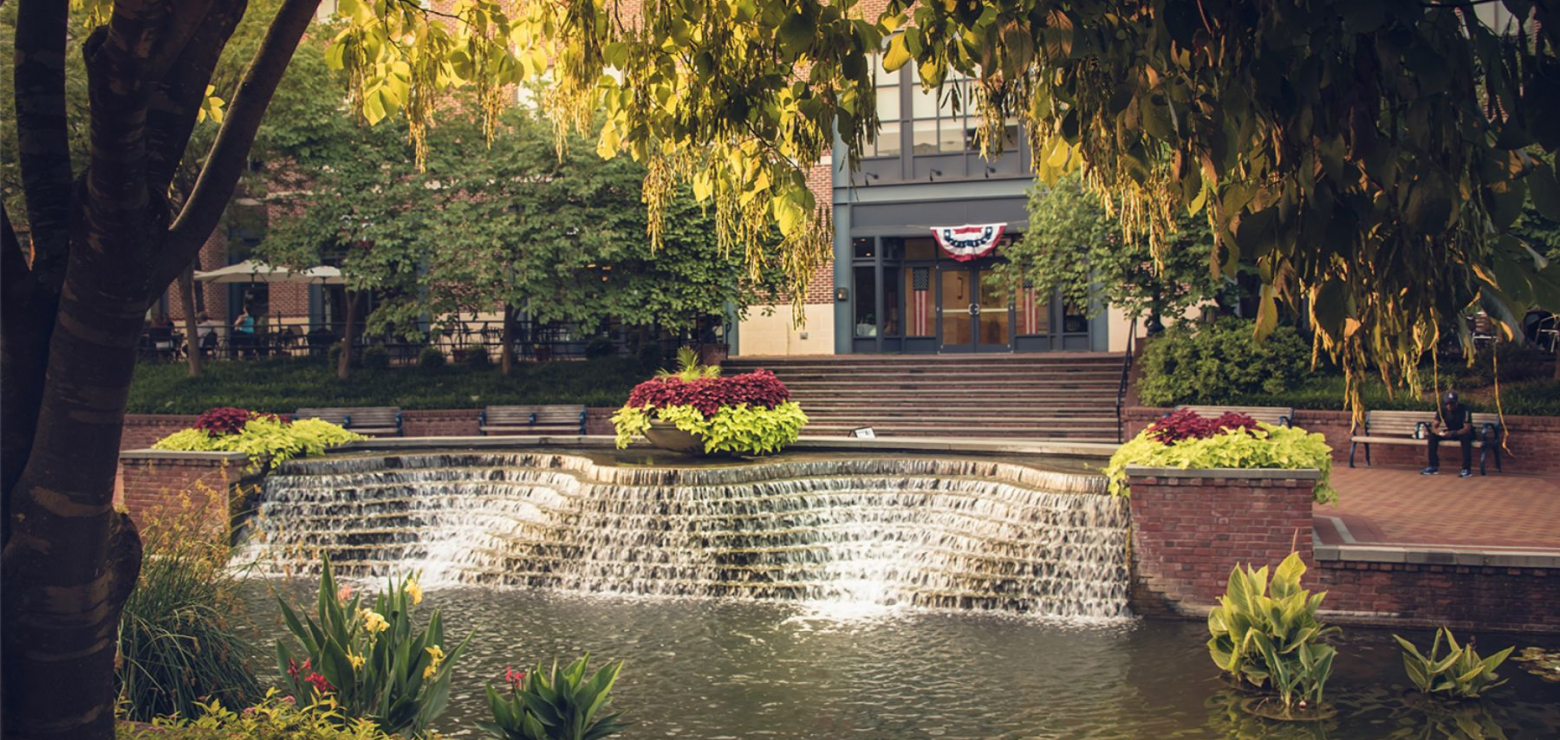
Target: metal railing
1126, 372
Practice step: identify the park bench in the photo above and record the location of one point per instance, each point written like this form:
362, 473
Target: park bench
1278, 416
533, 420
1402, 428
375, 421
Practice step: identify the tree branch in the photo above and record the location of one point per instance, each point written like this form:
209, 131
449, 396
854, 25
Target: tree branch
42, 134
177, 99
230, 153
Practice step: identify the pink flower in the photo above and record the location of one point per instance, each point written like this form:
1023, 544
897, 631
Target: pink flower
343, 593
514, 678
320, 683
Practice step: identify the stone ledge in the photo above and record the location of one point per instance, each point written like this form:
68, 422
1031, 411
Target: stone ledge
178, 456
1140, 471
1399, 555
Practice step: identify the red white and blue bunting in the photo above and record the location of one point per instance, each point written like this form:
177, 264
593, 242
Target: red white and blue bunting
970, 241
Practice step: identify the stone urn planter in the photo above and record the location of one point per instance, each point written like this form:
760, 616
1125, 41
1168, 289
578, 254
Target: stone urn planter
667, 436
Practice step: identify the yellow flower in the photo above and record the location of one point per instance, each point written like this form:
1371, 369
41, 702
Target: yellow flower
373, 621
437, 654
356, 660
415, 591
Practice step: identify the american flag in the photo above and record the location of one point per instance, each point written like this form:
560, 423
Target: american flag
1029, 313
920, 302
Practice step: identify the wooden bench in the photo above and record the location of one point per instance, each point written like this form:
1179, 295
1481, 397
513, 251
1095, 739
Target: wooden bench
568, 420
375, 421
1276, 415
1402, 428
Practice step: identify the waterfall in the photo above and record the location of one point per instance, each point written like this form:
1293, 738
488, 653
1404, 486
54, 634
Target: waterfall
964, 534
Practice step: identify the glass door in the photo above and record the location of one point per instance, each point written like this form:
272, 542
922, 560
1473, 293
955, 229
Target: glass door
972, 316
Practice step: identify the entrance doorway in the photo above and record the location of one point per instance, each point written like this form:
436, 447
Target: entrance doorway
973, 317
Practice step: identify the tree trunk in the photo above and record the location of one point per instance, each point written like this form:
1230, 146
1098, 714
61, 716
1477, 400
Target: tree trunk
348, 333
507, 353
191, 327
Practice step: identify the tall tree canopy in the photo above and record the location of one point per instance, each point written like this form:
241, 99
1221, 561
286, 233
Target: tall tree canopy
1369, 155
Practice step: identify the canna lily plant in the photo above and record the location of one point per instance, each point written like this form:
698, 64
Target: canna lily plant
371, 661
1267, 634
554, 705
1460, 674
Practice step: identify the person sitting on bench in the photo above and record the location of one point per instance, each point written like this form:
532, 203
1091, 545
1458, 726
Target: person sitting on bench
1452, 423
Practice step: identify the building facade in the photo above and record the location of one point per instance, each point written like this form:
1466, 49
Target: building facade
890, 287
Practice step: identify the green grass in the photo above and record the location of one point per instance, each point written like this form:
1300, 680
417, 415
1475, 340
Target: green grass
284, 385
1529, 397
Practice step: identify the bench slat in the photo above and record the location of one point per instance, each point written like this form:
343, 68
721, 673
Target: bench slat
558, 418
365, 419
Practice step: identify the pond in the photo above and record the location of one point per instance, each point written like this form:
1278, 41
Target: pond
709, 669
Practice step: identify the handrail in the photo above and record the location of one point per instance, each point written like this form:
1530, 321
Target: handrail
1126, 370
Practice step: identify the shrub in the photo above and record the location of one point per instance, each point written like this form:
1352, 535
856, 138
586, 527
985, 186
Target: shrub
1460, 674
477, 356
1268, 636
431, 358
178, 645
554, 705
376, 358
1253, 446
372, 663
1217, 362
333, 355
227, 420
274, 718
265, 438
598, 347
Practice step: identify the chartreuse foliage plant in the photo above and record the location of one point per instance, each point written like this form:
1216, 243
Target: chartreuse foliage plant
264, 438
276, 717
373, 663
1458, 674
1266, 447
555, 704
749, 413
1267, 634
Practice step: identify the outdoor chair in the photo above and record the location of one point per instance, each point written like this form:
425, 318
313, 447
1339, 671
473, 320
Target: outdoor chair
498, 420
1406, 428
374, 421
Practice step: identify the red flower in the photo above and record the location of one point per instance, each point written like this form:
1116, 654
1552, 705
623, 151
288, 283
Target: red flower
293, 668
319, 682
220, 422
514, 678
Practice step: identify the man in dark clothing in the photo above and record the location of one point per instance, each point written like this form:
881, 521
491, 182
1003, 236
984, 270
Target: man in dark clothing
1452, 423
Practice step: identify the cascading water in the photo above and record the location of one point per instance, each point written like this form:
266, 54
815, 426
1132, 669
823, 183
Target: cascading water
929, 532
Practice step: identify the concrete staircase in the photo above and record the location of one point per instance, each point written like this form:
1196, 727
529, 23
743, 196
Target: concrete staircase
1025, 396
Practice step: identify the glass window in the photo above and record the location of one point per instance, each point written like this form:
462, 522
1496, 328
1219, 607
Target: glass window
889, 111
866, 301
863, 248
920, 248
891, 282
893, 249
1074, 320
941, 116
918, 301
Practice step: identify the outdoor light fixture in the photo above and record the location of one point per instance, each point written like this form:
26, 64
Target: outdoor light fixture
934, 175
842, 294
870, 177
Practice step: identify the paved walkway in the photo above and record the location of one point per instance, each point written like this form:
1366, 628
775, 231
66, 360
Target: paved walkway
1401, 507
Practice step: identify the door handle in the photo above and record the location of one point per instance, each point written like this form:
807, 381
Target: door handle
974, 309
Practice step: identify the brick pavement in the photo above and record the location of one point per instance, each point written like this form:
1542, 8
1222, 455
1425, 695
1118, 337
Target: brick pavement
1388, 505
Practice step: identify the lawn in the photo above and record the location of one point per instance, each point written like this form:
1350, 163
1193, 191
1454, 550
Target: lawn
284, 385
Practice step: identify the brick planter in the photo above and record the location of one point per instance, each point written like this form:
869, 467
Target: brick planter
155, 484
1191, 527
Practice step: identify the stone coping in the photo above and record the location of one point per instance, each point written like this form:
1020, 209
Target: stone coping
1433, 555
149, 454
1060, 448
1141, 471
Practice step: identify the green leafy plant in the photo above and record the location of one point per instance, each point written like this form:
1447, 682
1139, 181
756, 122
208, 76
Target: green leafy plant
375, 358
1215, 363
554, 704
1267, 447
179, 645
688, 367
373, 663
276, 717
264, 440
431, 359
1267, 634
1459, 674
740, 429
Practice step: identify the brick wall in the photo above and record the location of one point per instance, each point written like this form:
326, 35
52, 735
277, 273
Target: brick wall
1189, 531
1191, 527
820, 180
441, 423
140, 431
1531, 441
155, 486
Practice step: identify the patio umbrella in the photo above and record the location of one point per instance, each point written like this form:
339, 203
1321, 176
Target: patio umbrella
251, 271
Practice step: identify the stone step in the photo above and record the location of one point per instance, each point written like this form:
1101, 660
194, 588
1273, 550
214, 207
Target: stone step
983, 432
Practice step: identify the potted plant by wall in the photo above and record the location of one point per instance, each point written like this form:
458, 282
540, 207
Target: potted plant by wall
696, 411
1186, 440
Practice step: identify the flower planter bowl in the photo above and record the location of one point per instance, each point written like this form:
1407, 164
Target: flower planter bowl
667, 436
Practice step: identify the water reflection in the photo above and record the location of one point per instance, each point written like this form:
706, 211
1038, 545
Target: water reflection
705, 669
